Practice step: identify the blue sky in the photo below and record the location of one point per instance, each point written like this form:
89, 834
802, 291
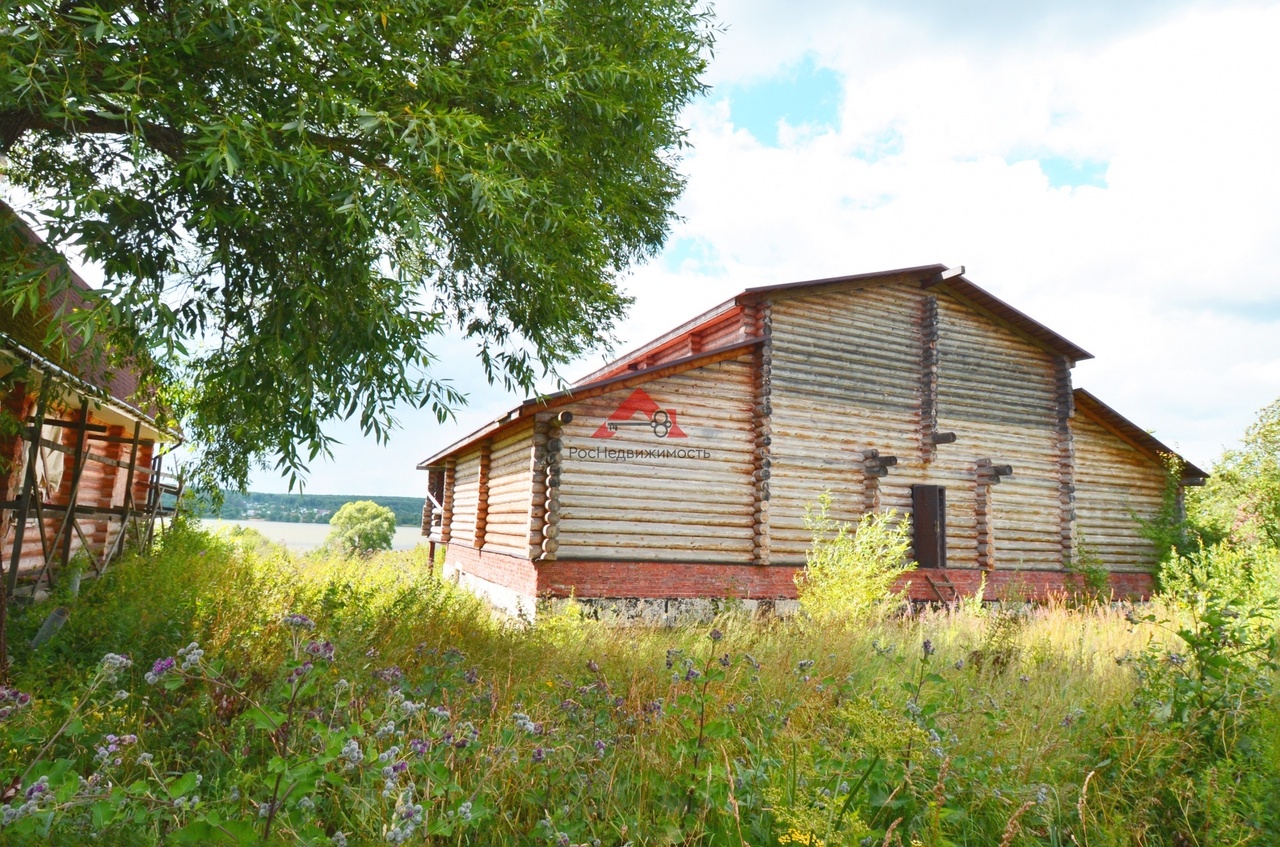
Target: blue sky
1107, 168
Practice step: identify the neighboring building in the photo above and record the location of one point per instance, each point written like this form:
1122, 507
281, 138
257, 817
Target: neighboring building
684, 468
93, 478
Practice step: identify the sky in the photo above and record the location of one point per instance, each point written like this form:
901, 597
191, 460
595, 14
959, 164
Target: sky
1109, 169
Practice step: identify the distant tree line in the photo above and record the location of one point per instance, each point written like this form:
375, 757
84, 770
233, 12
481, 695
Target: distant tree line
303, 508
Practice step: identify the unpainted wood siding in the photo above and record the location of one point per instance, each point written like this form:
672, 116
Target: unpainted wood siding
1115, 484
696, 506
466, 498
997, 392
510, 487
845, 378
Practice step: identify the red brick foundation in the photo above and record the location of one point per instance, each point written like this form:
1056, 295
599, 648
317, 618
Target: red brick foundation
667, 580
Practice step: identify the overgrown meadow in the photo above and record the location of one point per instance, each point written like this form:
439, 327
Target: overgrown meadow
220, 690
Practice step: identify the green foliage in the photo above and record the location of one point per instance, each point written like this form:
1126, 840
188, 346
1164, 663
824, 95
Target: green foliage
1242, 499
362, 527
1093, 579
291, 202
850, 573
330, 695
300, 508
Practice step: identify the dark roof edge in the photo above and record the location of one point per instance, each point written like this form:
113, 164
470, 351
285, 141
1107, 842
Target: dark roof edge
1134, 434
568, 395
97, 392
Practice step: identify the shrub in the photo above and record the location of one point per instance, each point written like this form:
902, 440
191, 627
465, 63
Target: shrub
850, 572
362, 526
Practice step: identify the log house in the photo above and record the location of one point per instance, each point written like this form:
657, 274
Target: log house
684, 468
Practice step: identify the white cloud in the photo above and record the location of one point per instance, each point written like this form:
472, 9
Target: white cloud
1170, 274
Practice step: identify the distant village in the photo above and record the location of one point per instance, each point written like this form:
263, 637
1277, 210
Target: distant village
304, 508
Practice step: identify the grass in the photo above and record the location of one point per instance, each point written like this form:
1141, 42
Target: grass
997, 726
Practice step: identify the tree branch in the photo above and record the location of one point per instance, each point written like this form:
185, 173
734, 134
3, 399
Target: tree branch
163, 139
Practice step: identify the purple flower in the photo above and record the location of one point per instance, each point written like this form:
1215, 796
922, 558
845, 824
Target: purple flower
390, 675
599, 745
539, 755
297, 621
927, 646
592, 666
419, 746
321, 650
472, 675
725, 661
299, 672
692, 675
716, 635
159, 669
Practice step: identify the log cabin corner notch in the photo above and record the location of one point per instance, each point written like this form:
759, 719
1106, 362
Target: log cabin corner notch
682, 469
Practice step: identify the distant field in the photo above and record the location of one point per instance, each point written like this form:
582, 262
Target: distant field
309, 536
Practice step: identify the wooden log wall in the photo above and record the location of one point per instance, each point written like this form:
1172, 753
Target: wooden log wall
1066, 460
999, 393
928, 426
509, 492
537, 489
450, 480
1114, 482
466, 497
670, 499
762, 413
552, 468
845, 378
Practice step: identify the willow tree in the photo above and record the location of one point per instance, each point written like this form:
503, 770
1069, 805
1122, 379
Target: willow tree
291, 201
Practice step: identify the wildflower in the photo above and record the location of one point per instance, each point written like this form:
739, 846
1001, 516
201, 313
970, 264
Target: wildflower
672, 655
112, 664
352, 753
927, 646
339, 839
1177, 659
10, 700
121, 695
692, 675
159, 669
191, 656
464, 811
725, 661
592, 666
390, 675
562, 839
472, 675
805, 664
959, 664
1024, 679
235, 794
320, 650
751, 660
306, 804
297, 621
341, 686
264, 809
600, 746
716, 635
419, 746
539, 755
439, 712
386, 730
145, 758
299, 672
388, 755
